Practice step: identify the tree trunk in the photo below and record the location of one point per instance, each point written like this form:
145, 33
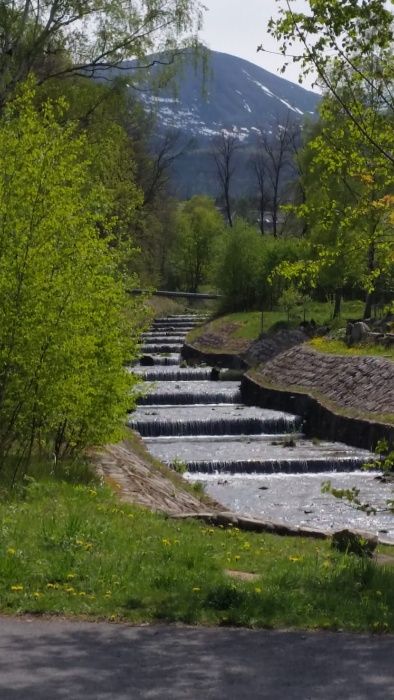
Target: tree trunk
368, 305
337, 303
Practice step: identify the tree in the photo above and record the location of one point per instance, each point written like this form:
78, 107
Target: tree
64, 339
260, 169
224, 152
238, 267
348, 204
346, 43
62, 37
199, 225
271, 162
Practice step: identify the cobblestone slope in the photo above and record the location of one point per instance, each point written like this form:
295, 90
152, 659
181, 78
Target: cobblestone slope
361, 383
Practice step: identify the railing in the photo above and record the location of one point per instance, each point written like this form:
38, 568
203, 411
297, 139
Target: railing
176, 295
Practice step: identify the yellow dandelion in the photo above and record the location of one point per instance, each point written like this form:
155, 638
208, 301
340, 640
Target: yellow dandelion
196, 589
70, 589
11, 551
71, 576
257, 590
17, 587
82, 593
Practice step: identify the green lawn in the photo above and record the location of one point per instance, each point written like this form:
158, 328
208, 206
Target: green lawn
75, 550
247, 325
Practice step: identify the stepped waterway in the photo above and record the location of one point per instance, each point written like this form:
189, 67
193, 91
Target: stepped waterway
254, 461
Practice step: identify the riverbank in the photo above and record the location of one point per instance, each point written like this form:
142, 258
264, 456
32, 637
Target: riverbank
340, 397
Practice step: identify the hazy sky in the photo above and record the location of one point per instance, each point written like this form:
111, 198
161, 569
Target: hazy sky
239, 26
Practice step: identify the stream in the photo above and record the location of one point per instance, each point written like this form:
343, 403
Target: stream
255, 461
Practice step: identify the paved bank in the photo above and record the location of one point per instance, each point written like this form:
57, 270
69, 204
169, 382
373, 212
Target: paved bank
361, 383
42, 660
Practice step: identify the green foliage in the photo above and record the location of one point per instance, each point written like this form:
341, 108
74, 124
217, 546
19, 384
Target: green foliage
385, 460
289, 300
348, 45
63, 332
107, 560
244, 272
348, 206
60, 38
179, 466
199, 228
239, 266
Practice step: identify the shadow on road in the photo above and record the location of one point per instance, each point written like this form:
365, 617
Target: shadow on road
52, 660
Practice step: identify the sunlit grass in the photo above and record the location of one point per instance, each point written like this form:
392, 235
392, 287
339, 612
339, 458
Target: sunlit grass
248, 325
339, 347
75, 550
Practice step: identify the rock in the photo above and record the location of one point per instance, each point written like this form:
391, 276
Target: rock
362, 544
357, 332
147, 361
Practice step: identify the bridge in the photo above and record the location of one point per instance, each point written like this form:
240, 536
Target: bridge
176, 295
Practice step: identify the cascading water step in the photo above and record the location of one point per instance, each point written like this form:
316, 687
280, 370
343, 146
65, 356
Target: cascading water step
285, 454
152, 338
174, 323
211, 420
192, 392
152, 374
161, 348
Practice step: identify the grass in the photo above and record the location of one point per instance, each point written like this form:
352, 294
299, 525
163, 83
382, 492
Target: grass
339, 347
247, 325
74, 550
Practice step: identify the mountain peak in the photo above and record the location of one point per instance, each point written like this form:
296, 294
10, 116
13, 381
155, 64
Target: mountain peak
236, 95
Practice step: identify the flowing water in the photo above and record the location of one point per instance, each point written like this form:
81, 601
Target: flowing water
254, 461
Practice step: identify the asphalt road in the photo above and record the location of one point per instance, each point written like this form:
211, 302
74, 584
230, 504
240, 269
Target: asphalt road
55, 659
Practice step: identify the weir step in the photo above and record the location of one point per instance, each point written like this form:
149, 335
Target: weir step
267, 454
192, 392
170, 374
161, 348
211, 420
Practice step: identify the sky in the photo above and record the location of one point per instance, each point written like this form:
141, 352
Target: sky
239, 26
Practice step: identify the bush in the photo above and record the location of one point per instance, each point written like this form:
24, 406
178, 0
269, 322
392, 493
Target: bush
239, 267
63, 334
245, 267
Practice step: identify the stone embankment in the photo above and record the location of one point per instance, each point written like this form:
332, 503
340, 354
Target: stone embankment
362, 383
138, 481
340, 397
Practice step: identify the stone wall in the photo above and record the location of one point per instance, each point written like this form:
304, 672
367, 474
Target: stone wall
362, 383
323, 389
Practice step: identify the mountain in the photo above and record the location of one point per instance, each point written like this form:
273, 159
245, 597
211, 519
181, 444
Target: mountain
236, 96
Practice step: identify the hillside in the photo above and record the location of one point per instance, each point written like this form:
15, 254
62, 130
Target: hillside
236, 96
